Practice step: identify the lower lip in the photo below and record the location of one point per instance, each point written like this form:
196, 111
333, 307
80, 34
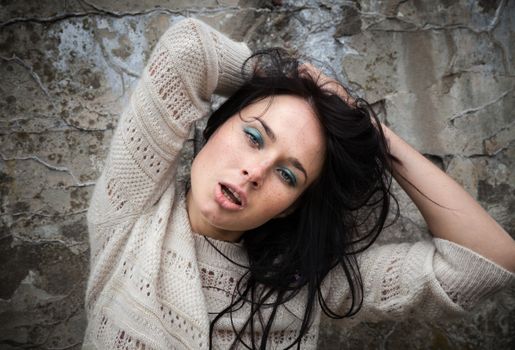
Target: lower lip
223, 201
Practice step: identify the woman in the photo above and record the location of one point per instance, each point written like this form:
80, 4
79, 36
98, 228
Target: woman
286, 197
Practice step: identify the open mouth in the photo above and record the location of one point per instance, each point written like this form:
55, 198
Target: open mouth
231, 195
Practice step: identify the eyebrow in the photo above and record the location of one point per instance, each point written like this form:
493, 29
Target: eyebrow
293, 161
268, 131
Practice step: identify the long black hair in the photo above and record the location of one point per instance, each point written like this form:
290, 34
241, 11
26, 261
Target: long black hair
339, 215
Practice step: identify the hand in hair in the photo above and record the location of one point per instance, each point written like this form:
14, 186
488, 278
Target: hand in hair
449, 211
327, 83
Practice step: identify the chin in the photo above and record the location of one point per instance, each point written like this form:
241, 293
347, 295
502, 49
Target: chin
224, 223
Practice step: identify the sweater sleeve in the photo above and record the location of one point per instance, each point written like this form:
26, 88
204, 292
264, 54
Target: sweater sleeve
190, 62
428, 279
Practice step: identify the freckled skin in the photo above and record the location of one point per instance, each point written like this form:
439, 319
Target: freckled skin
230, 156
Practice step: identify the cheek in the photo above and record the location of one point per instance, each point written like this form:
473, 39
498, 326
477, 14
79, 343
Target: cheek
221, 154
277, 199
223, 144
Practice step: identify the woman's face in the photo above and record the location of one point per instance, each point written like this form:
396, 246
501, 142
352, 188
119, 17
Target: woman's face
252, 170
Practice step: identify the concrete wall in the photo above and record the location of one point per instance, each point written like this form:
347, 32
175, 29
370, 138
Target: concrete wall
441, 73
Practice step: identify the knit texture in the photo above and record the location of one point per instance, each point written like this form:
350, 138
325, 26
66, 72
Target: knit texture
154, 284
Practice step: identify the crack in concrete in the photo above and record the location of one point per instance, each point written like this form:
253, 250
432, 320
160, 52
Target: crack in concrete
33, 74
186, 12
507, 127
70, 127
35, 158
478, 108
39, 241
98, 11
457, 26
98, 113
379, 18
77, 127
36, 78
117, 68
491, 137
177, 11
30, 215
495, 21
384, 337
398, 5
50, 131
492, 154
427, 26
51, 167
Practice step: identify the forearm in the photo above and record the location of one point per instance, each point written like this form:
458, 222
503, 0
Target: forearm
450, 212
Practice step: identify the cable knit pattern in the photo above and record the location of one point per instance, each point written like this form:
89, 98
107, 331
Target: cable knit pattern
156, 285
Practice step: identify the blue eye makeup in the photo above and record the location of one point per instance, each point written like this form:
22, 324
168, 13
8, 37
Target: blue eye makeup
288, 176
254, 136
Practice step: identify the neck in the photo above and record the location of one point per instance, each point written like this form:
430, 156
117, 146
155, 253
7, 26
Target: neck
199, 224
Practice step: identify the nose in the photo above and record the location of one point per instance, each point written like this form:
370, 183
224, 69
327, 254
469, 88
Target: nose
256, 174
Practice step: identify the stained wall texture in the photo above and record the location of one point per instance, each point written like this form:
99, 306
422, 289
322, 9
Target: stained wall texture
441, 73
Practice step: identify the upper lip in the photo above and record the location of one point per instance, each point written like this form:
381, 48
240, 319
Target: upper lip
238, 191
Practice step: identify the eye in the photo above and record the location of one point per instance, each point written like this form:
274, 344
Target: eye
287, 176
254, 137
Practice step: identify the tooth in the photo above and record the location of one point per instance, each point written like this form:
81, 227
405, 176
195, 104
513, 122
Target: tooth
231, 195
227, 193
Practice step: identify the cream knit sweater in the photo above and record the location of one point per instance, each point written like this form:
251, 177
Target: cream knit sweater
156, 285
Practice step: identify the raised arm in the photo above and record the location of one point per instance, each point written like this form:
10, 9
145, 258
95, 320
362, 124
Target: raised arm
447, 275
190, 62
438, 278
469, 259
449, 211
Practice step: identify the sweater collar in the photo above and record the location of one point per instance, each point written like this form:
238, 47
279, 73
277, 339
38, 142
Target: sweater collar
209, 248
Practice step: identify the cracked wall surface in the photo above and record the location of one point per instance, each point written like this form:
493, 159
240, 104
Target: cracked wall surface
440, 73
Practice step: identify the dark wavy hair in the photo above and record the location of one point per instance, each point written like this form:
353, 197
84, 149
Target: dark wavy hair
338, 216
